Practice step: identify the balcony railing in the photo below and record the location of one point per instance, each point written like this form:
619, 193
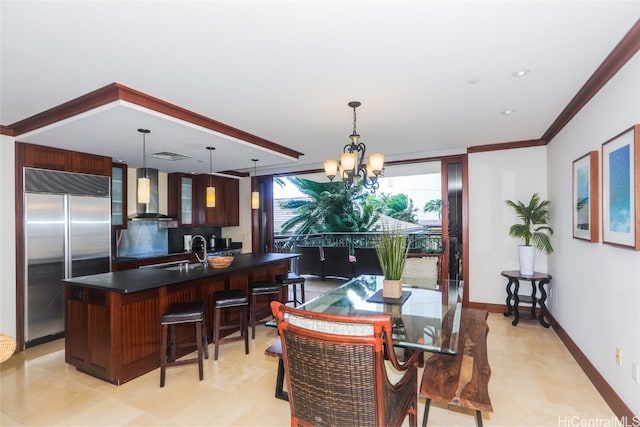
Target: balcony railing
425, 242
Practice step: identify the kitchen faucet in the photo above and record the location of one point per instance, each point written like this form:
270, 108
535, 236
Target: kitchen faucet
204, 249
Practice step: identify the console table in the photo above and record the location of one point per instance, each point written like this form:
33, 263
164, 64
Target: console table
514, 277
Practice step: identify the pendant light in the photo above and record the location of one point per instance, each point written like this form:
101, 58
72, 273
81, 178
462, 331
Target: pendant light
255, 196
211, 190
144, 187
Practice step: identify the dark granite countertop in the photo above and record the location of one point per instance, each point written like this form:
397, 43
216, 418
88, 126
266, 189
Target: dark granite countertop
141, 279
150, 257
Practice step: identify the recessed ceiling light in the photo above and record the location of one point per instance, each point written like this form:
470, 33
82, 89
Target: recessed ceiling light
473, 81
521, 72
507, 112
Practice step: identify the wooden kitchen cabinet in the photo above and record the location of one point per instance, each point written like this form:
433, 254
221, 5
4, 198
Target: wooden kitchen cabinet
90, 163
118, 195
208, 216
37, 156
231, 190
180, 203
40, 157
226, 213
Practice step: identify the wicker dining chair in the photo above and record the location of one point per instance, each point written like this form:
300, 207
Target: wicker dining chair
336, 370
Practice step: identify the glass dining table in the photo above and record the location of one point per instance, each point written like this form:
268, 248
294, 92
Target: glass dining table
428, 320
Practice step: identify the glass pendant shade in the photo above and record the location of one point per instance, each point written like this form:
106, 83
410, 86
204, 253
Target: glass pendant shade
376, 161
144, 190
144, 184
331, 168
211, 190
211, 197
255, 195
370, 173
348, 161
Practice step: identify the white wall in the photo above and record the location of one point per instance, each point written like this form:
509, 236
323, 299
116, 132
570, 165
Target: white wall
597, 286
8, 237
494, 177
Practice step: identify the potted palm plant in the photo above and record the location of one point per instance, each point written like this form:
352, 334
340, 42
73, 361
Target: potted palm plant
392, 253
534, 230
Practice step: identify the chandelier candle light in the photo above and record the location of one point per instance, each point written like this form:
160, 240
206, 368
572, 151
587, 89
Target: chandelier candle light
351, 166
255, 196
211, 190
144, 187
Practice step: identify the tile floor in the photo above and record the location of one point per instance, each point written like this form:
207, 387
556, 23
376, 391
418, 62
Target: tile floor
534, 382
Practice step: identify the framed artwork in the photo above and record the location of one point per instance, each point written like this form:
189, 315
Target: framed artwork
620, 185
585, 197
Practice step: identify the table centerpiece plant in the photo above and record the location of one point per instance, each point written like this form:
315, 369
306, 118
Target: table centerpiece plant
534, 230
392, 253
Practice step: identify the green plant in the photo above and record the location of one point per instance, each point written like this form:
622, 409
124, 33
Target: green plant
392, 253
535, 223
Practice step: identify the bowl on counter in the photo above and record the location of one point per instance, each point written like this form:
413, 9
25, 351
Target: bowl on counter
220, 261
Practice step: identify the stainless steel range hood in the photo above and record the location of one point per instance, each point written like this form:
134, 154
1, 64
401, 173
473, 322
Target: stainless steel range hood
149, 211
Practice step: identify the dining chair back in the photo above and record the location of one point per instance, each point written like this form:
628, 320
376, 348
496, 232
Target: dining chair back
336, 371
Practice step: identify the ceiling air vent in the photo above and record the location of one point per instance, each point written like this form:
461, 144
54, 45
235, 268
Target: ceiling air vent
167, 155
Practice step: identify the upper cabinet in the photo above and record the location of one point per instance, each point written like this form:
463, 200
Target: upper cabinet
226, 213
231, 191
180, 203
38, 156
119, 195
208, 216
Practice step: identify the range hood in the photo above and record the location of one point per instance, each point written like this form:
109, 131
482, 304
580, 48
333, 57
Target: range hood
149, 211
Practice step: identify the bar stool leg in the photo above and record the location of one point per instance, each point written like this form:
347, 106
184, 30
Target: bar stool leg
216, 333
172, 343
199, 341
163, 355
205, 343
244, 329
252, 316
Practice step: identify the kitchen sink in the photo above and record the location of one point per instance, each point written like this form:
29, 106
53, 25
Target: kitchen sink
185, 267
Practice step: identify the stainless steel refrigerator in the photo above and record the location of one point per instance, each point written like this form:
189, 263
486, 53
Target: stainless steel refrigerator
67, 234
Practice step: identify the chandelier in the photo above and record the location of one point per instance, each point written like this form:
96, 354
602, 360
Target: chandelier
352, 166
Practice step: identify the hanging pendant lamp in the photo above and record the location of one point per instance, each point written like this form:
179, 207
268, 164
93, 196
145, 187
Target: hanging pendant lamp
144, 187
255, 196
211, 190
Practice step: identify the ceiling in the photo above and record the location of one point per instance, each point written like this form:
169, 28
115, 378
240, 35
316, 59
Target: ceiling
433, 76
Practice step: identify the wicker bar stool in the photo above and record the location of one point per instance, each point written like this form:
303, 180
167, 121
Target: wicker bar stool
292, 279
180, 313
256, 289
224, 301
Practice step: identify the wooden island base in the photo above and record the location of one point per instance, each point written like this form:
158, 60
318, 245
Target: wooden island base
116, 335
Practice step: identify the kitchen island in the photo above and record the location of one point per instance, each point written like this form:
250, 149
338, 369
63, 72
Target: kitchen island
112, 320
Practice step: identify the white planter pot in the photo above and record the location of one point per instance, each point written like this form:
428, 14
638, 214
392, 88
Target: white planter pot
527, 257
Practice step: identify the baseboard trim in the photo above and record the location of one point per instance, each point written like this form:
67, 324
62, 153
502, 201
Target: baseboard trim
617, 405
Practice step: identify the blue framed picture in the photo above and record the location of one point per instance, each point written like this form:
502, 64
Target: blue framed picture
585, 197
620, 202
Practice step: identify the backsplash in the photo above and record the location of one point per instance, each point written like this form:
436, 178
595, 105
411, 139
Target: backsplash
176, 241
143, 239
